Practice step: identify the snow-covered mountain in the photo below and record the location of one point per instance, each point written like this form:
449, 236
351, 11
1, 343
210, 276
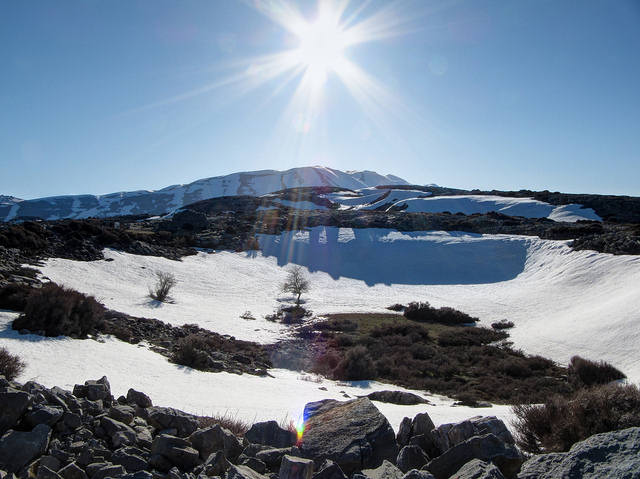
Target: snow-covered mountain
161, 201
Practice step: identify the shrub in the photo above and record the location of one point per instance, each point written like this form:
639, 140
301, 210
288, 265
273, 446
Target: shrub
396, 307
357, 365
192, 351
295, 283
14, 296
560, 422
11, 366
164, 284
232, 423
424, 312
590, 373
502, 324
56, 311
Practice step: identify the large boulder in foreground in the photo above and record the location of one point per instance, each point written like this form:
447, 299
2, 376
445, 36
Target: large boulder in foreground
446, 436
353, 434
17, 448
610, 454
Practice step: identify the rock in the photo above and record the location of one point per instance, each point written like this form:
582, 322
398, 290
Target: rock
404, 432
107, 470
216, 464
138, 398
169, 418
17, 448
123, 414
215, 438
94, 390
254, 463
488, 448
364, 440
397, 397
138, 475
243, 472
609, 454
329, 470
273, 457
385, 471
477, 469
129, 460
177, 450
45, 473
271, 434
13, 404
295, 468
411, 457
71, 420
446, 436
43, 414
416, 474
72, 471
417, 432
119, 433
50, 462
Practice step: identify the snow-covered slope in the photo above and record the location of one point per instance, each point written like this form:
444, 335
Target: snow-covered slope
254, 183
562, 302
421, 202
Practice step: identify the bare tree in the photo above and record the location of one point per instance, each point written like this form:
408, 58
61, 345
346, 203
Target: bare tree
164, 283
296, 283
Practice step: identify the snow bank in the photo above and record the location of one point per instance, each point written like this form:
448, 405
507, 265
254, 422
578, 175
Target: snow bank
64, 362
562, 302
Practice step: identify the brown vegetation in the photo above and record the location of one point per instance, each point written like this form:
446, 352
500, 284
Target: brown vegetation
11, 366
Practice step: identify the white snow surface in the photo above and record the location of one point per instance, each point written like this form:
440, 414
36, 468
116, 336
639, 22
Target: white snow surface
562, 302
421, 202
64, 362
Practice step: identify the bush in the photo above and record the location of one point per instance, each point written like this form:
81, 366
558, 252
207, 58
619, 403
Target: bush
503, 324
193, 351
560, 422
590, 373
11, 366
164, 284
231, 423
14, 296
357, 365
55, 310
396, 307
424, 312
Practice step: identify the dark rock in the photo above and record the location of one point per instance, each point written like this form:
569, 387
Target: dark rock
477, 469
397, 397
446, 436
49, 461
17, 448
252, 449
123, 414
71, 420
404, 432
131, 462
94, 390
177, 450
45, 473
169, 418
411, 457
138, 475
606, 455
42, 414
13, 404
271, 434
119, 433
243, 472
385, 471
215, 438
295, 468
138, 398
254, 463
216, 464
416, 474
107, 470
487, 448
365, 436
329, 470
417, 432
72, 471
159, 462
273, 457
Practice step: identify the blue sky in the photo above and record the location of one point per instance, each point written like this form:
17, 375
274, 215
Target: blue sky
99, 96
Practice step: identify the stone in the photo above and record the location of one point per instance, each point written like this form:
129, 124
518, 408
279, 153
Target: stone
177, 450
446, 436
17, 448
365, 437
138, 475
609, 454
295, 468
215, 438
119, 433
169, 418
45, 473
488, 448
107, 470
49, 461
477, 469
130, 461
411, 457
123, 414
273, 457
243, 472
216, 464
404, 432
329, 470
138, 398
397, 397
72, 471
94, 390
43, 414
418, 474
253, 462
271, 434
385, 471
13, 404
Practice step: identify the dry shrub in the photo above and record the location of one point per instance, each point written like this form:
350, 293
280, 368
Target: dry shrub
396, 307
357, 365
502, 324
590, 373
164, 284
232, 423
56, 311
14, 296
11, 366
560, 422
424, 312
193, 351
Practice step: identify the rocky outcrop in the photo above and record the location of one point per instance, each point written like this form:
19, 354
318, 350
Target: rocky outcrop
610, 454
397, 397
271, 434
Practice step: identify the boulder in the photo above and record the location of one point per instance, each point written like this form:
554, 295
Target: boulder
446, 436
213, 439
17, 448
417, 431
271, 434
609, 454
243, 472
385, 471
176, 450
216, 464
45, 473
13, 404
329, 470
295, 468
397, 397
127, 458
477, 469
43, 414
107, 470
138, 398
169, 418
354, 434
123, 414
273, 457
72, 471
418, 474
488, 448
411, 457
94, 390
119, 433
252, 462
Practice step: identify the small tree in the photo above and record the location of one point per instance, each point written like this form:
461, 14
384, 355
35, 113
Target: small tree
164, 283
296, 283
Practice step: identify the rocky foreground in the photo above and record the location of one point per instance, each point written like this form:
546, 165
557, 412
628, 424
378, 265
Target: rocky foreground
88, 434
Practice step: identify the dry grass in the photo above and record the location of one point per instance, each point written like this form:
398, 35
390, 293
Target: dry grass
11, 366
230, 422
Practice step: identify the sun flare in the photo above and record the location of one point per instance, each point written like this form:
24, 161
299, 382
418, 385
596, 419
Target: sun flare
321, 48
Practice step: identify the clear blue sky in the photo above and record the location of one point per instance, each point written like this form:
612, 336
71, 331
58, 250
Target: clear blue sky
99, 96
